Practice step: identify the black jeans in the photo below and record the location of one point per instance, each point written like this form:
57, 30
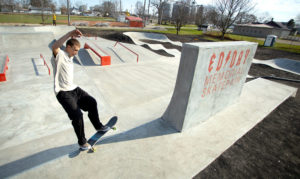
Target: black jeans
73, 102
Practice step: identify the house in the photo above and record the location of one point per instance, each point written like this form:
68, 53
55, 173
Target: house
38, 10
75, 11
262, 30
205, 27
135, 21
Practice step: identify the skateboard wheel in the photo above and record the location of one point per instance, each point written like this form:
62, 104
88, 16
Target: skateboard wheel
114, 128
93, 149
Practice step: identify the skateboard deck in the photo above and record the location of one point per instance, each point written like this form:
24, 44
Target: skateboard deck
97, 136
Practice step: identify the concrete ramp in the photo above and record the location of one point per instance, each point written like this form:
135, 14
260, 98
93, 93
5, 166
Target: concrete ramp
57, 30
292, 66
119, 54
30, 41
20, 38
137, 38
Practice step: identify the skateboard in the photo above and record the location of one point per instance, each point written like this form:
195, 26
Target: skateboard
97, 136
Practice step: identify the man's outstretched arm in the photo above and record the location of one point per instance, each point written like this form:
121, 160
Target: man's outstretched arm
61, 41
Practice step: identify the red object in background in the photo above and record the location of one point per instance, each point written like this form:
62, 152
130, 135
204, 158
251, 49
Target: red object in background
3, 75
135, 21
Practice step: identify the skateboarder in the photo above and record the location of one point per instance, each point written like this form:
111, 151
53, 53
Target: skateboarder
72, 98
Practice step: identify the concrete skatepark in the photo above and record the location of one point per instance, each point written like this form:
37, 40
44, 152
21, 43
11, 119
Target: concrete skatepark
37, 137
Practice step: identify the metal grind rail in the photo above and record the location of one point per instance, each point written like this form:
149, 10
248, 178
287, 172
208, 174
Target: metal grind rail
137, 60
45, 63
105, 60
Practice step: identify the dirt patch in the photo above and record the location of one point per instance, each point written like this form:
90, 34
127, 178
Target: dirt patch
264, 53
107, 34
270, 149
93, 23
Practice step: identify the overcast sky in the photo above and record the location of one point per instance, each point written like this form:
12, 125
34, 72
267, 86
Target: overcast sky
280, 10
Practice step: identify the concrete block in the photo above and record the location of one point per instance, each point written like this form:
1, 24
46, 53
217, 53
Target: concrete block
210, 77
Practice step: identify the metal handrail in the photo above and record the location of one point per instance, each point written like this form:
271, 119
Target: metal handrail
45, 63
137, 60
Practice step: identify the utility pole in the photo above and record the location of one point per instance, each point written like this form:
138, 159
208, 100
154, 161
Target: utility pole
149, 8
120, 7
144, 13
68, 8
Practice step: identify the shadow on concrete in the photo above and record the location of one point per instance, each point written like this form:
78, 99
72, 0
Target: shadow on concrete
34, 160
85, 58
154, 128
288, 64
34, 66
151, 129
116, 54
51, 43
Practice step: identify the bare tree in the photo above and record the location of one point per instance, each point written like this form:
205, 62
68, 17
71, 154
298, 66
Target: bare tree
245, 18
53, 7
83, 8
7, 4
229, 11
179, 16
108, 8
63, 9
159, 5
200, 16
264, 17
211, 15
43, 5
139, 8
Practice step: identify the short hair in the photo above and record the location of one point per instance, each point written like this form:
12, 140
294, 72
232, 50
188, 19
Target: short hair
73, 42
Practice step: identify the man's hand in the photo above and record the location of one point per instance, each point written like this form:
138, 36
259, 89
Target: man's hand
75, 33
55, 47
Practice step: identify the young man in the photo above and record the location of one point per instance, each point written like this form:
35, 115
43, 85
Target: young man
71, 97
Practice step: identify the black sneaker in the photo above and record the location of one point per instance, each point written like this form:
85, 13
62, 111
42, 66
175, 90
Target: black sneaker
103, 129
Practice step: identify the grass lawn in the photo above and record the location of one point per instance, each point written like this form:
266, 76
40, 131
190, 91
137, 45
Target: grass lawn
280, 46
37, 19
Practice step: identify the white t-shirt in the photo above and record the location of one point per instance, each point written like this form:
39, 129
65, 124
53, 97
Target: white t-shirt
63, 72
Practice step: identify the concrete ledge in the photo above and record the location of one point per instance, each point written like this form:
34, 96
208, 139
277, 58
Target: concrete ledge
105, 60
152, 149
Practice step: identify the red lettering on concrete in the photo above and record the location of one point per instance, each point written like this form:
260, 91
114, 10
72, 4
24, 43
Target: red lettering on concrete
203, 93
215, 88
211, 62
214, 78
233, 59
246, 55
207, 80
227, 58
208, 91
240, 58
221, 76
220, 62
